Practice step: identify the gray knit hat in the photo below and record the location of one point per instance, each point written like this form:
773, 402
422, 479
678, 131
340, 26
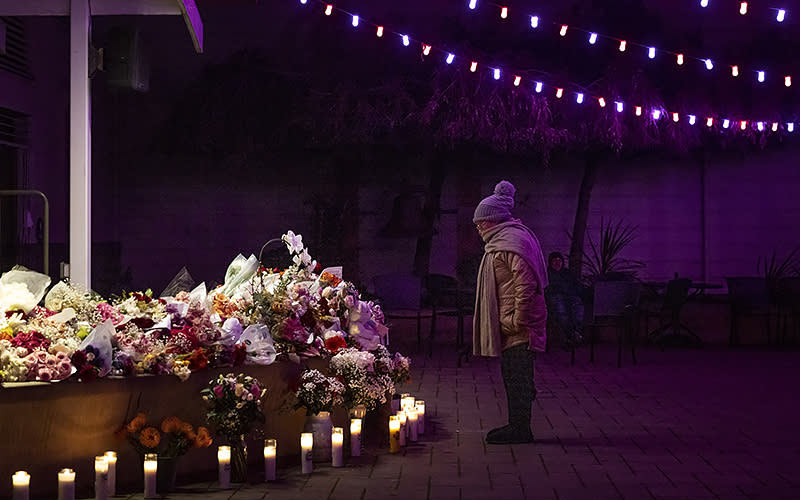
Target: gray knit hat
497, 207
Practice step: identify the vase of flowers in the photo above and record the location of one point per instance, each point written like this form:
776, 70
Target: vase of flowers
234, 409
171, 440
318, 394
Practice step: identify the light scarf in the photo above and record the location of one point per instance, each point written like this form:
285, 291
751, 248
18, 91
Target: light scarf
510, 236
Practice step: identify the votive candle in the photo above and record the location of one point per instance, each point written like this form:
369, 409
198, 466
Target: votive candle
306, 452
270, 452
406, 401
150, 469
66, 484
100, 478
401, 416
394, 434
337, 442
111, 458
224, 464
411, 413
22, 484
420, 406
355, 437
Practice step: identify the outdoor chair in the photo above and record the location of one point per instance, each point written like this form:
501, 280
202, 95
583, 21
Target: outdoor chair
668, 312
445, 297
748, 296
400, 297
787, 298
614, 306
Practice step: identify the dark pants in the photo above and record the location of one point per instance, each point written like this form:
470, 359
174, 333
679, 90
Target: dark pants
516, 366
567, 311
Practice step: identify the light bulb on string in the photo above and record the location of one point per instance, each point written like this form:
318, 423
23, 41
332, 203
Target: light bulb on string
760, 126
704, 3
593, 38
449, 59
379, 31
602, 102
538, 87
790, 126
620, 107
623, 45
328, 9
744, 124
679, 59
426, 49
473, 67
781, 15
563, 31
726, 123
638, 111
517, 80
709, 64
579, 98
534, 21
504, 13
761, 77
675, 117
709, 122
496, 73
743, 8
774, 126
656, 114
303, 2
651, 52
559, 92
355, 21
787, 80
735, 70
406, 41
692, 119
473, 4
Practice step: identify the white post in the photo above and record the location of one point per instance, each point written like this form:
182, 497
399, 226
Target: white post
80, 157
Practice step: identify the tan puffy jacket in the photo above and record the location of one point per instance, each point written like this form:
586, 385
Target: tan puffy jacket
520, 297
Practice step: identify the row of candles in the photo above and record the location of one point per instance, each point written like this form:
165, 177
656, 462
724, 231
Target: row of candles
406, 424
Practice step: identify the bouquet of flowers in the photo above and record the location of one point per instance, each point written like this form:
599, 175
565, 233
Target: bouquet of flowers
363, 384
234, 404
316, 392
174, 437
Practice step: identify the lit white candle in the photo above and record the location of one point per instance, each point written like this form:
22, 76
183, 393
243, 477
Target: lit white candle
100, 478
22, 485
111, 458
394, 434
420, 406
306, 452
270, 452
150, 469
224, 463
401, 416
355, 437
406, 401
337, 442
411, 413
66, 484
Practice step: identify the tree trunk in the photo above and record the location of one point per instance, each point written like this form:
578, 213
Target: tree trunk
433, 202
582, 213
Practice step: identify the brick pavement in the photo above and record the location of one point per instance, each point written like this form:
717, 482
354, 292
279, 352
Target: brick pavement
682, 424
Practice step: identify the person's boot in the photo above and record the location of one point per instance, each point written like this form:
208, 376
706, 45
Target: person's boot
519, 428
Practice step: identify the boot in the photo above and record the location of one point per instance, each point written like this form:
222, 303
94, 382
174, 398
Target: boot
519, 428
517, 371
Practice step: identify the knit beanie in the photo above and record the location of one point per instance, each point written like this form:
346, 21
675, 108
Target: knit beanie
497, 207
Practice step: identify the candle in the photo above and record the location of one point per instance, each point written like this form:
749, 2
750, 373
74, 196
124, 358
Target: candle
401, 416
22, 484
355, 437
306, 446
111, 458
394, 434
420, 406
270, 451
150, 468
406, 401
66, 484
224, 463
337, 440
100, 478
411, 413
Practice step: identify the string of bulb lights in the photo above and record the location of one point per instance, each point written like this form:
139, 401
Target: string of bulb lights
580, 95
592, 36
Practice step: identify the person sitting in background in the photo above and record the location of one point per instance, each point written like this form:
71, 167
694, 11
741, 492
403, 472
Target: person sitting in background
564, 301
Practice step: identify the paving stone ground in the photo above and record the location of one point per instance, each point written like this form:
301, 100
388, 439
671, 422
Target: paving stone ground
708, 423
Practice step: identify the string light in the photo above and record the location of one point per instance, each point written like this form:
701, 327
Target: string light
534, 21
787, 80
692, 119
473, 66
790, 126
579, 98
709, 64
504, 13
726, 123
406, 41
620, 107
656, 114
638, 111
675, 117
761, 77
735, 70
704, 3
450, 58
473, 4
563, 31
517, 80
559, 92
355, 21
743, 8
592, 38
760, 126
328, 9
679, 58
303, 2
379, 32
781, 15
496, 73
602, 102
651, 52
744, 124
426, 49
538, 87
622, 45
774, 126
709, 122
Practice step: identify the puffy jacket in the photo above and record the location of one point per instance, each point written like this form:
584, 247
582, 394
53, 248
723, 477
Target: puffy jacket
520, 297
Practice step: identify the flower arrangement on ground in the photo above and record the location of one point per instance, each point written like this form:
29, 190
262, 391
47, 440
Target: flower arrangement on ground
317, 393
234, 404
173, 438
364, 385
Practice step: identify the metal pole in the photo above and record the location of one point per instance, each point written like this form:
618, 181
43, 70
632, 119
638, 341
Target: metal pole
46, 238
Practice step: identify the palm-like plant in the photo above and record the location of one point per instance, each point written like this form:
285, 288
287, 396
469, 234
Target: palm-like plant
603, 258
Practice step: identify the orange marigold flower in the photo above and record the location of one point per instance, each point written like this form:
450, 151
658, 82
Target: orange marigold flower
137, 423
186, 428
330, 278
171, 424
150, 437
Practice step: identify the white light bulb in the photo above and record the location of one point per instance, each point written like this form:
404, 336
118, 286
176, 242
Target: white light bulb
651, 52
761, 76
602, 102
781, 15
406, 41
709, 64
563, 30
473, 67
620, 107
593, 38
517, 80
775, 126
534, 21
638, 111
303, 2
709, 122
504, 12
675, 117
579, 98
743, 8
450, 58
679, 59
426, 49
790, 127
538, 87
787, 80
473, 4
379, 32
496, 74
760, 126
622, 45
355, 21
328, 9
559, 92
726, 123
692, 119
735, 70
703, 3
744, 124
656, 114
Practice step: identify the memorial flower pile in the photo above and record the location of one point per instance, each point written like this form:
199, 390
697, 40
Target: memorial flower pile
256, 316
